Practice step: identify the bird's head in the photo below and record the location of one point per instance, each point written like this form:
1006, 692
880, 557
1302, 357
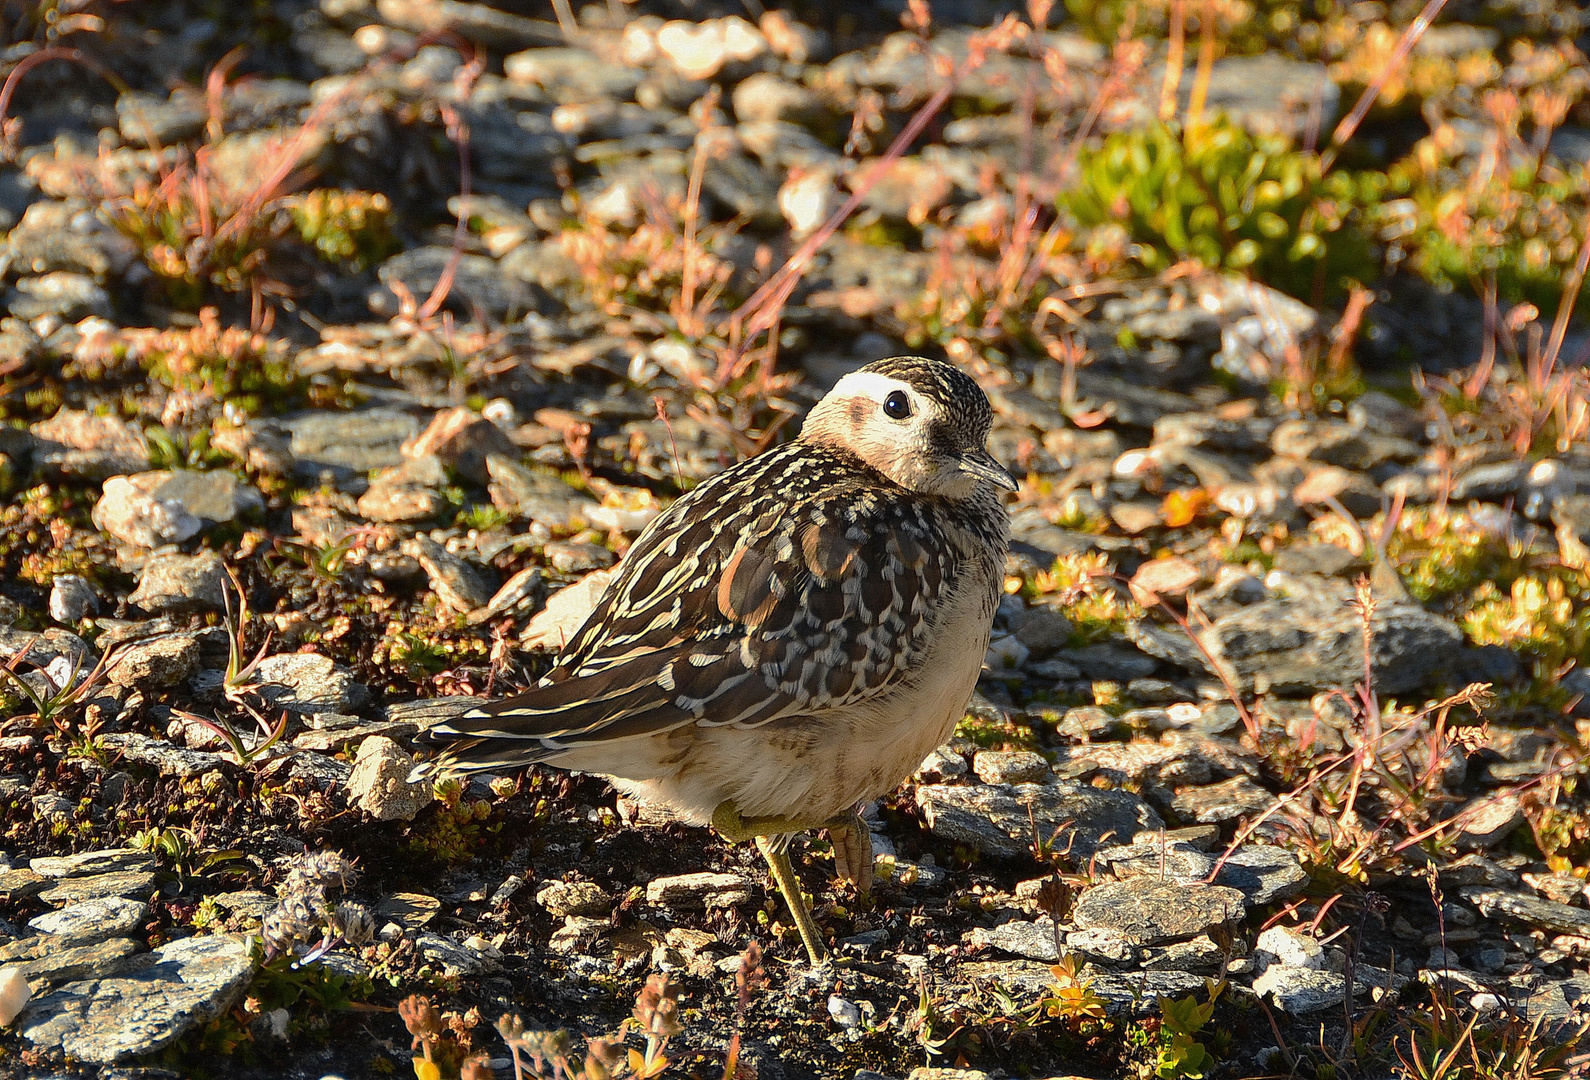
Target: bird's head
922, 423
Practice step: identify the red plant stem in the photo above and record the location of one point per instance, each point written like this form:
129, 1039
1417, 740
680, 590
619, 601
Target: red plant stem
444, 283
1570, 295
1410, 37
33, 60
761, 311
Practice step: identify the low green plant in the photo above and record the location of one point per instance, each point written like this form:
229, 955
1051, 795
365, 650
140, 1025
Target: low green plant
186, 857
55, 704
352, 227
229, 364
454, 830
1231, 199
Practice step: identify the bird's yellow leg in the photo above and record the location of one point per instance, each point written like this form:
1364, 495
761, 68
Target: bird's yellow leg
775, 849
852, 843
727, 820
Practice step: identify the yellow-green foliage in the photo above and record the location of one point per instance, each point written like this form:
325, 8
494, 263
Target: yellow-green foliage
226, 363
1082, 582
1230, 199
1243, 26
1522, 225
455, 830
1442, 553
345, 226
1543, 616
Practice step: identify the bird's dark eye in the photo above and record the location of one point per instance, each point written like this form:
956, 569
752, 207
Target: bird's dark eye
897, 406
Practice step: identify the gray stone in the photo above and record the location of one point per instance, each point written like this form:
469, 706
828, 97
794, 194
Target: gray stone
571, 74
1268, 92
360, 441
180, 985
58, 965
166, 758
330, 732
131, 884
1491, 483
72, 599
390, 503
1311, 643
1150, 911
994, 819
380, 785
1301, 991
457, 584
697, 890
477, 283
84, 863
1034, 940
53, 809
65, 295
16, 884
92, 920
1567, 999
1529, 910
68, 236
44, 649
451, 958
1229, 800
1116, 663
307, 683
1010, 767
131, 511
501, 30
75, 445
534, 494
765, 97
146, 119
180, 583
158, 663
1263, 874
1125, 994
562, 898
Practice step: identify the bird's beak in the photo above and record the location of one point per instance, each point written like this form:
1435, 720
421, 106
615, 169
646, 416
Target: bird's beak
981, 464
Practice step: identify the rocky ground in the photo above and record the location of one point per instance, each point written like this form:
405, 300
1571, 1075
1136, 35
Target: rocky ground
349, 344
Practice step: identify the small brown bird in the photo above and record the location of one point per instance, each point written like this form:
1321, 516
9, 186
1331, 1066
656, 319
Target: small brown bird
793, 637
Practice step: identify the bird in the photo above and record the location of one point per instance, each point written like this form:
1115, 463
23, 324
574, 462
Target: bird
791, 638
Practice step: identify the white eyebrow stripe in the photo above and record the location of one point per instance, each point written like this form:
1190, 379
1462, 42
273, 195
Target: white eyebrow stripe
869, 384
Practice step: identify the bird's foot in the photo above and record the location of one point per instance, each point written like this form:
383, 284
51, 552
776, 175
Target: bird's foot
852, 843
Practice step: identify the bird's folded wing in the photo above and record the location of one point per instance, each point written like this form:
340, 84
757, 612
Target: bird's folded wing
788, 615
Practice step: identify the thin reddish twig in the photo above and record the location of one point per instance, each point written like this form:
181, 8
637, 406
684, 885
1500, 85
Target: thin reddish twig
1410, 38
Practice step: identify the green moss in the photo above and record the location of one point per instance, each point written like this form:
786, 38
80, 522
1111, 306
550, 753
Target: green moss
1232, 200
352, 227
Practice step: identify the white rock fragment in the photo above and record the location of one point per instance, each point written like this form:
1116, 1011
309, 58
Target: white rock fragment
380, 784
14, 994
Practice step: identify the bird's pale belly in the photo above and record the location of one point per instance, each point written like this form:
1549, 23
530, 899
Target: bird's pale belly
817, 767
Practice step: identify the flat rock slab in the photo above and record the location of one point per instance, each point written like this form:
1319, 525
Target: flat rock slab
1299, 991
697, 890
180, 986
92, 920
1262, 873
994, 818
168, 758
1128, 993
1530, 910
1563, 1000
56, 966
104, 861
1149, 911
129, 883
